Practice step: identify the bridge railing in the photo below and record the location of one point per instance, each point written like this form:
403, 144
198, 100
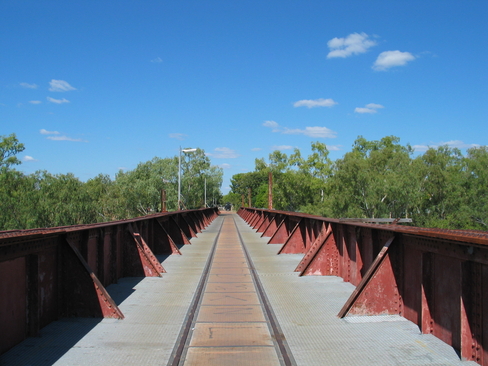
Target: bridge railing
46, 274
436, 278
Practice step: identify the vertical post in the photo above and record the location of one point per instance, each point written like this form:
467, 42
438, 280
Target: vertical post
179, 180
205, 193
242, 199
163, 200
270, 191
249, 197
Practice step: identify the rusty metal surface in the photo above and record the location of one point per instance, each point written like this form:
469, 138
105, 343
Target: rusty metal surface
435, 278
64, 271
466, 236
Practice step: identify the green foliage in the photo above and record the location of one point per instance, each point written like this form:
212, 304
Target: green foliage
9, 147
46, 200
440, 188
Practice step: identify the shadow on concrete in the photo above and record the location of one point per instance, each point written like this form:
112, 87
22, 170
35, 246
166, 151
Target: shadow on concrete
60, 336
52, 343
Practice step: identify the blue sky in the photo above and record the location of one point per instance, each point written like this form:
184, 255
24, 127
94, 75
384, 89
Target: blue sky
96, 86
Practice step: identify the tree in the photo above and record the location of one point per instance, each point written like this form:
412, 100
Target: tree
9, 147
372, 180
196, 173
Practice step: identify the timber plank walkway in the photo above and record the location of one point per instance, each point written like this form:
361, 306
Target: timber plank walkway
230, 300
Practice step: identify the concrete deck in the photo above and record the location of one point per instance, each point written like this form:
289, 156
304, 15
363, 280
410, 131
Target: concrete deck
305, 307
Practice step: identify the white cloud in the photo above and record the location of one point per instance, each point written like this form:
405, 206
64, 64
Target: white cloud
374, 105
282, 147
178, 136
28, 86
225, 166
320, 132
334, 147
271, 124
256, 149
35, 102
157, 60
370, 108
389, 59
60, 86
64, 138
353, 44
58, 101
224, 153
452, 144
29, 158
315, 103
46, 132
317, 131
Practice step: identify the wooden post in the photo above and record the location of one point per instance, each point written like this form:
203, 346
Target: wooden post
163, 201
270, 191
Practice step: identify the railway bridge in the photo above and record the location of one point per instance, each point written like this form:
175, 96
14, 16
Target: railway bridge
256, 287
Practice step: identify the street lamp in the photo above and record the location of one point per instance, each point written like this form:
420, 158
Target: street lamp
179, 174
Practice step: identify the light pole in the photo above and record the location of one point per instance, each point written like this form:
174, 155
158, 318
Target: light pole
179, 174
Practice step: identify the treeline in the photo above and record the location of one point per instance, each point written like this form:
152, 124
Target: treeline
43, 199
378, 179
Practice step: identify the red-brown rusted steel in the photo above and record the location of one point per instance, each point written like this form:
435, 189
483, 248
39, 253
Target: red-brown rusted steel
276, 220
81, 286
284, 230
150, 264
359, 297
264, 223
163, 241
174, 230
296, 242
436, 278
256, 221
306, 264
64, 271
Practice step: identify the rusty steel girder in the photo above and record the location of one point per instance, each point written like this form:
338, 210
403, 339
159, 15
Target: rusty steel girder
436, 278
64, 271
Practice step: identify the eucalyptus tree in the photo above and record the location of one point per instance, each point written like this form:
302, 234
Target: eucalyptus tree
372, 180
199, 177
9, 148
477, 186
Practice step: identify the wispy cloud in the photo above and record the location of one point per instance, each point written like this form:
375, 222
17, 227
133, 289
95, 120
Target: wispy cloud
29, 86
256, 149
282, 147
28, 158
64, 138
353, 44
315, 103
178, 136
273, 125
60, 86
311, 132
35, 102
157, 60
334, 147
317, 131
46, 132
58, 101
453, 144
370, 108
390, 59
225, 166
224, 153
